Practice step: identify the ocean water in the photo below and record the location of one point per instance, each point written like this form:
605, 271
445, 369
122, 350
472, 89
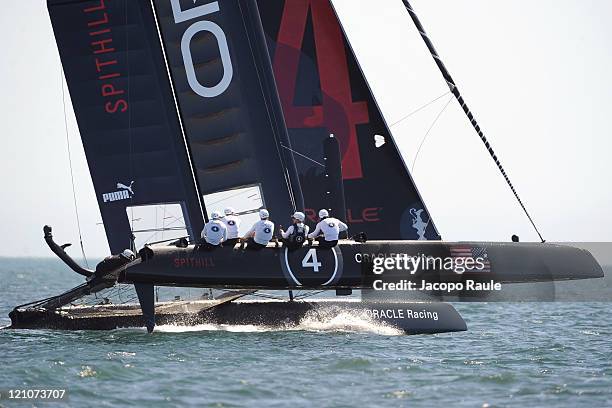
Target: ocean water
513, 354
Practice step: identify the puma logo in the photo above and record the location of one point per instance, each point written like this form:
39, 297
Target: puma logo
124, 193
124, 187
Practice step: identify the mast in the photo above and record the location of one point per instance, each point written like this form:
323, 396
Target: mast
455, 91
180, 120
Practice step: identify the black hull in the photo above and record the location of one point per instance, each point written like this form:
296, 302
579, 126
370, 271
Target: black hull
411, 318
349, 265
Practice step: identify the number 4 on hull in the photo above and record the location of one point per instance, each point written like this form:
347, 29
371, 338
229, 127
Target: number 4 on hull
311, 260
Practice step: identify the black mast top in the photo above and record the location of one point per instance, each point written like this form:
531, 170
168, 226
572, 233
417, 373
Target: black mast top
455, 91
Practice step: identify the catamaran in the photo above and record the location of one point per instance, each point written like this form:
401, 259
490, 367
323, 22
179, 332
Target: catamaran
180, 102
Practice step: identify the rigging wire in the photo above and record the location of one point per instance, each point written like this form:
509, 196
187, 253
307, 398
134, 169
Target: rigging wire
165, 227
179, 228
157, 229
391, 125
419, 109
262, 295
187, 237
455, 91
308, 294
129, 114
163, 221
302, 155
180, 119
416, 156
230, 196
74, 198
271, 116
298, 295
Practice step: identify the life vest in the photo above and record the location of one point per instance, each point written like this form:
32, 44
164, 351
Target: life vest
298, 235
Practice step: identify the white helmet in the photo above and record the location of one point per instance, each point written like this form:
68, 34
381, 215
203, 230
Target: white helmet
323, 213
215, 215
264, 214
127, 254
299, 216
229, 211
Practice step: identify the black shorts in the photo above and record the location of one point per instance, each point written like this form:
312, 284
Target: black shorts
326, 244
230, 242
291, 245
205, 246
254, 246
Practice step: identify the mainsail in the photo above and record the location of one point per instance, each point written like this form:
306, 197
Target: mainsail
323, 91
125, 111
167, 124
227, 98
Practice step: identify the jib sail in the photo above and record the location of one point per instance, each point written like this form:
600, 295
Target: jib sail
123, 102
323, 91
232, 117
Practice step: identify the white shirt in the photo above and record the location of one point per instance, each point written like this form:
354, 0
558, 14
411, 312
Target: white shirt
233, 224
289, 231
331, 228
262, 232
214, 232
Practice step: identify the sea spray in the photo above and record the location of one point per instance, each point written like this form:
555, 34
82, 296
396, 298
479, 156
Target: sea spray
330, 319
323, 319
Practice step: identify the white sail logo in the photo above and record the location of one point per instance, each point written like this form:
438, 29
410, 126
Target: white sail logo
418, 224
181, 16
124, 192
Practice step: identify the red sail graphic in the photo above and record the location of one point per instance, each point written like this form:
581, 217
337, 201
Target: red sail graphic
334, 77
322, 91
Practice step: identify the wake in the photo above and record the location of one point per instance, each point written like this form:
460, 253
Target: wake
319, 321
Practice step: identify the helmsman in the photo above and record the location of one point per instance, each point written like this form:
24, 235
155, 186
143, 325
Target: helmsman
295, 236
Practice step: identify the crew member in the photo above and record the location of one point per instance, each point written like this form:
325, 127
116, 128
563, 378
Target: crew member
261, 232
115, 261
232, 222
295, 236
327, 230
112, 264
214, 232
